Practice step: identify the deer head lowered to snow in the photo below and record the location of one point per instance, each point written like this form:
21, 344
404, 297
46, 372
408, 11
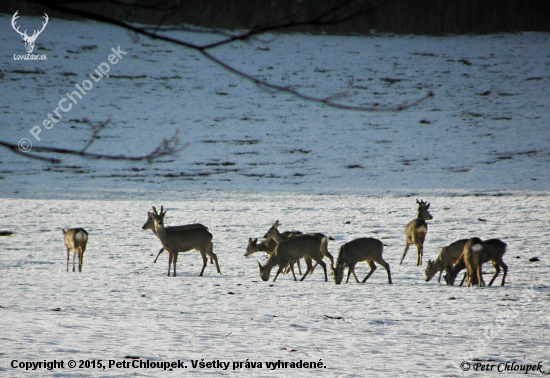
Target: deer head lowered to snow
29, 40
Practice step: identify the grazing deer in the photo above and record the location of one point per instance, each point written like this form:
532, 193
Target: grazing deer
267, 246
494, 250
473, 258
273, 233
362, 249
448, 256
150, 225
416, 230
75, 239
290, 250
175, 241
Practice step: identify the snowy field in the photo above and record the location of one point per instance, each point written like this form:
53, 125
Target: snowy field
478, 151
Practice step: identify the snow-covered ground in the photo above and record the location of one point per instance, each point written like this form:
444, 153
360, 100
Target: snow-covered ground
478, 151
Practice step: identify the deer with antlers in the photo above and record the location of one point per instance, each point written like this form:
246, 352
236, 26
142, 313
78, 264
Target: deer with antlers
177, 240
416, 230
150, 225
29, 40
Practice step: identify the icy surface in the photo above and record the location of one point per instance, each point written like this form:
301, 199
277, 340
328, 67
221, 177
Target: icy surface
478, 151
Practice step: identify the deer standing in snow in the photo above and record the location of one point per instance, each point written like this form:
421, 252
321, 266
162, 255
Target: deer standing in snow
150, 225
288, 251
362, 249
473, 258
175, 241
415, 232
493, 250
273, 233
75, 239
448, 256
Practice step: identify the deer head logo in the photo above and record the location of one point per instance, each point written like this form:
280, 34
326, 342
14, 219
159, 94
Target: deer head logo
29, 40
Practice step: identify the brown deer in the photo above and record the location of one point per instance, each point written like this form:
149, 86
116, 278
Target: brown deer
448, 256
362, 249
415, 232
75, 239
150, 225
291, 250
267, 246
273, 233
175, 241
494, 250
473, 258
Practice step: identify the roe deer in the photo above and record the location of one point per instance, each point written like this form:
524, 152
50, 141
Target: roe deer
175, 241
494, 250
473, 258
75, 239
267, 246
362, 249
150, 225
290, 250
273, 233
416, 230
448, 256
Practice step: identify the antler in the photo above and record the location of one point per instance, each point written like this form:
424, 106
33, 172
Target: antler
36, 32
13, 19
162, 213
155, 211
422, 203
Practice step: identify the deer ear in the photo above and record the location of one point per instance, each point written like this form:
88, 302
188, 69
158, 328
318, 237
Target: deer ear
259, 265
276, 224
63, 231
255, 241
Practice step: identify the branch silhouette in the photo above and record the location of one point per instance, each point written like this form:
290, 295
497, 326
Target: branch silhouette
340, 12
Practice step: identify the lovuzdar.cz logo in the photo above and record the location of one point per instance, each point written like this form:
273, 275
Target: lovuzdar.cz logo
29, 40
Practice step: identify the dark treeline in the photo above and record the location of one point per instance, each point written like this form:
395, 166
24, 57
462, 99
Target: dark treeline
433, 17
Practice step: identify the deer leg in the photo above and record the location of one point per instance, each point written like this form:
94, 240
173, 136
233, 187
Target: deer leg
440, 273
505, 271
74, 257
372, 269
214, 257
292, 270
386, 266
299, 267
324, 266
420, 252
404, 253
480, 281
497, 271
281, 268
204, 261
161, 250
463, 278
68, 258
351, 269
170, 258
80, 257
174, 262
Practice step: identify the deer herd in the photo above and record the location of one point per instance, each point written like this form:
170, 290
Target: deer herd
286, 249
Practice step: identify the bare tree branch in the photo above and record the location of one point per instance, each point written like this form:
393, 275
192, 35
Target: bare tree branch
341, 11
165, 148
